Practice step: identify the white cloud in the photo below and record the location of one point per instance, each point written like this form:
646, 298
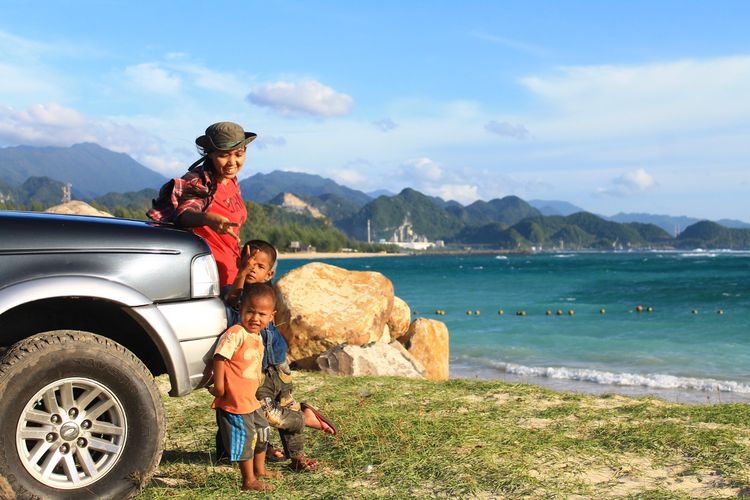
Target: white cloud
619, 100
56, 125
308, 97
517, 131
385, 125
462, 193
153, 78
634, 182
422, 169
264, 141
351, 177
516, 45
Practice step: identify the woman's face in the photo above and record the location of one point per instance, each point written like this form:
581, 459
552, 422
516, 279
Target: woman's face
227, 164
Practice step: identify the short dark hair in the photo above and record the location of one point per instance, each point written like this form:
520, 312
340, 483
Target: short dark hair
258, 290
263, 246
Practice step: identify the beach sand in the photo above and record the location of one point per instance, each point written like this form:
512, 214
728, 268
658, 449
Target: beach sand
337, 255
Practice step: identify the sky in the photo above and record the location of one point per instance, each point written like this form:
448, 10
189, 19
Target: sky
637, 106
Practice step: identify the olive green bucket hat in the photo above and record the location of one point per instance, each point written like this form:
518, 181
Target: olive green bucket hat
224, 136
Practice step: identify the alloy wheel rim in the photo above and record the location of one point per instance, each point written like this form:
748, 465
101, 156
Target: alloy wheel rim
71, 433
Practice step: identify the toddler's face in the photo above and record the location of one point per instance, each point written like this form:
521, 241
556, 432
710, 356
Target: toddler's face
256, 313
259, 266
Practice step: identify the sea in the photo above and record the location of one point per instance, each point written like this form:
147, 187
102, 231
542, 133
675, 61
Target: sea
675, 325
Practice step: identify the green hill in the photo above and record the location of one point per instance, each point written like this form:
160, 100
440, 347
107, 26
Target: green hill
263, 187
710, 235
509, 210
408, 208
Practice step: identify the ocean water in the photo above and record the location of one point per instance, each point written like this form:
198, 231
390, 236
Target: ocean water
694, 346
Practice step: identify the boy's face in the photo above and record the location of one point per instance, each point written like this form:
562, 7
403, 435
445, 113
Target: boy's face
256, 313
260, 267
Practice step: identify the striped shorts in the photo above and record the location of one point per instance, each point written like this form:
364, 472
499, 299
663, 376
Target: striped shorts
239, 434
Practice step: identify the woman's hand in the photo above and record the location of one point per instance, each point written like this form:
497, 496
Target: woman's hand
221, 225
218, 223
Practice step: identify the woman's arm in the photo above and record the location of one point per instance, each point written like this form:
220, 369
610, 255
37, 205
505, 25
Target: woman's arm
219, 223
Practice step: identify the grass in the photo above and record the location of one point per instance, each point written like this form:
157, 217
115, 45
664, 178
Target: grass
402, 438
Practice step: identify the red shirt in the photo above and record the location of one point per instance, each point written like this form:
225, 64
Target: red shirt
193, 192
227, 201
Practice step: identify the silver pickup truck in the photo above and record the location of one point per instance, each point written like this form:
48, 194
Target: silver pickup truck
91, 309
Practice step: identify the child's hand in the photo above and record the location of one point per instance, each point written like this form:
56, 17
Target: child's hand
212, 391
247, 257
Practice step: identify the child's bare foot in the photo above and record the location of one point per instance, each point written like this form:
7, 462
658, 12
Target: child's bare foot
256, 486
271, 474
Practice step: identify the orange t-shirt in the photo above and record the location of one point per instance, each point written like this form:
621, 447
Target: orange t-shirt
227, 201
243, 351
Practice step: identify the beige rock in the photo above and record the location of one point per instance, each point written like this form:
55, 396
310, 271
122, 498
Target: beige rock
321, 306
375, 358
400, 318
427, 340
76, 207
386, 337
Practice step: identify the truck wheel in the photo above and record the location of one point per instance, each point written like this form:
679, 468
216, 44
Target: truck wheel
81, 417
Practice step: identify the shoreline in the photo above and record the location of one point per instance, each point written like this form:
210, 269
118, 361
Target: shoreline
337, 255
683, 396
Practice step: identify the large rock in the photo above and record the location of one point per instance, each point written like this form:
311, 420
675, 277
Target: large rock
400, 318
427, 340
375, 358
321, 306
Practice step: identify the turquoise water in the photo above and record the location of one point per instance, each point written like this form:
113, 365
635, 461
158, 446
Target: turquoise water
672, 351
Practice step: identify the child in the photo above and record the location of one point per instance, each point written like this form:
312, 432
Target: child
258, 265
237, 372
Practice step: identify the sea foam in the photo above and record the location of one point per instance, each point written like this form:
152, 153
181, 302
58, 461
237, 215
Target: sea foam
654, 381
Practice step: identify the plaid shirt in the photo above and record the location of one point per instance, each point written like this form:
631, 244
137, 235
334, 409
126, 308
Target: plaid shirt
193, 191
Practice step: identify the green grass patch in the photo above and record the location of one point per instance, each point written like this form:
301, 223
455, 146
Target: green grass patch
403, 438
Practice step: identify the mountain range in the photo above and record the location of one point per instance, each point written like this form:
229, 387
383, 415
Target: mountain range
35, 177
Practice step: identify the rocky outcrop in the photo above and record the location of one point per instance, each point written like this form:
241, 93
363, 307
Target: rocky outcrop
376, 358
400, 319
292, 203
77, 207
427, 341
321, 306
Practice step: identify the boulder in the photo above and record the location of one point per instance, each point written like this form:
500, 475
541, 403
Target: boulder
77, 207
400, 318
386, 337
321, 306
427, 341
375, 358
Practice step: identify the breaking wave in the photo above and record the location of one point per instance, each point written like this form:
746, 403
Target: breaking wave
653, 381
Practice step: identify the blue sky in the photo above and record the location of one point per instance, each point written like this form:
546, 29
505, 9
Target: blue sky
613, 106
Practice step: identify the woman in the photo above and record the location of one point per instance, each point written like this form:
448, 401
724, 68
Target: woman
207, 198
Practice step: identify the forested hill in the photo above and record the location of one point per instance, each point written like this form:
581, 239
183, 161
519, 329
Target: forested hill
33, 178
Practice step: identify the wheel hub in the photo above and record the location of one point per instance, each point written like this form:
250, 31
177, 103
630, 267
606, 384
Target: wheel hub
69, 431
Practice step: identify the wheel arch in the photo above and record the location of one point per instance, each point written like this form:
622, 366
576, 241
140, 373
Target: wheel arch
99, 306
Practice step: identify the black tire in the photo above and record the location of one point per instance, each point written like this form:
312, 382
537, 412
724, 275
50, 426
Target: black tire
80, 417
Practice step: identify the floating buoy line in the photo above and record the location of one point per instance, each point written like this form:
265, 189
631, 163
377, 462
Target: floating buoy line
570, 312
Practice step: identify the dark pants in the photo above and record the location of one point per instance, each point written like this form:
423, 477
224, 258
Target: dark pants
280, 409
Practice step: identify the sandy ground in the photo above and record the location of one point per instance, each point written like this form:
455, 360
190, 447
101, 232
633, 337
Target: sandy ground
337, 255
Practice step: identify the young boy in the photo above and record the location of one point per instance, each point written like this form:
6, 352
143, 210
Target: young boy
237, 366
258, 265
